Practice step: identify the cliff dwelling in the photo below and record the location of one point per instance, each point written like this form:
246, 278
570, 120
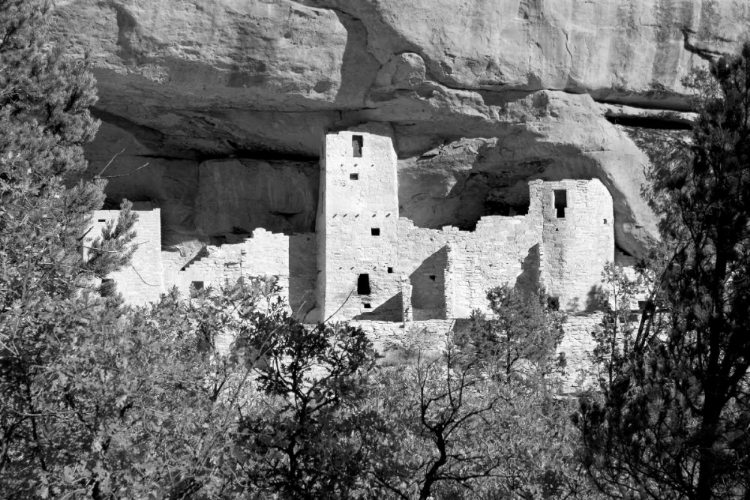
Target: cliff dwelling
365, 263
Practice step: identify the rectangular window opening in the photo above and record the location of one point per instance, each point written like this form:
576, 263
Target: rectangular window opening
101, 220
354, 177
433, 277
357, 142
390, 270
198, 285
363, 284
375, 231
367, 305
561, 202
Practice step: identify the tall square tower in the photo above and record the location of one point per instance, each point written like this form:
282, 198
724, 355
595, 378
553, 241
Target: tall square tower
357, 225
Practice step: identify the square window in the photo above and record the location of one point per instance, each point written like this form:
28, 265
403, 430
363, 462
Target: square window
433, 277
354, 177
390, 270
375, 231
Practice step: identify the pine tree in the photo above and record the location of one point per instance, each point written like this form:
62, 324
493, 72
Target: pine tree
673, 422
46, 287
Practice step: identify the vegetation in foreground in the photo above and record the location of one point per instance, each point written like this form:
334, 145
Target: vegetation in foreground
103, 401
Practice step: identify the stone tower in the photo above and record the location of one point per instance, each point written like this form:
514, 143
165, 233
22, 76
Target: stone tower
357, 224
577, 239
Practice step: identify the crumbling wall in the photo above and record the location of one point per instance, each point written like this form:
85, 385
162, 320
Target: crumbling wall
142, 281
502, 250
263, 254
577, 241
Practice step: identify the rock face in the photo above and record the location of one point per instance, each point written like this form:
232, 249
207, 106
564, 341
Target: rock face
235, 96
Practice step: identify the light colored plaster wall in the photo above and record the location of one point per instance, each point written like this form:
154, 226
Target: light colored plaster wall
350, 209
142, 281
575, 248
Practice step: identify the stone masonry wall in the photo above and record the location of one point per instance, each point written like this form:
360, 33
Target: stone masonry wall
263, 254
502, 250
357, 226
578, 344
576, 246
422, 256
143, 280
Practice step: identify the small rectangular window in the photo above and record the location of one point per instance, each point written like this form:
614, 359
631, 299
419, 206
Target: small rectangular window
198, 285
367, 305
375, 231
363, 284
354, 177
357, 142
433, 277
561, 202
390, 270
102, 220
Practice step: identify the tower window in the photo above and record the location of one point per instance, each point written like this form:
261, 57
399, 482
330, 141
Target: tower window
605, 221
363, 284
354, 177
357, 141
561, 202
375, 231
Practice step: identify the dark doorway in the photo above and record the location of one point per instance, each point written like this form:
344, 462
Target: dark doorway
363, 284
561, 202
357, 142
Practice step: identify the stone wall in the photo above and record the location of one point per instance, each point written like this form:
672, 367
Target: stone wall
502, 250
578, 344
358, 227
577, 239
422, 256
263, 254
142, 281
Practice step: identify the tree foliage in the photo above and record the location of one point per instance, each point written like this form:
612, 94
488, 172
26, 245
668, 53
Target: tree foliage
673, 423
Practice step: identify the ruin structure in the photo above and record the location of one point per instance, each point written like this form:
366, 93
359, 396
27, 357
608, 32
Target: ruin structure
367, 264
